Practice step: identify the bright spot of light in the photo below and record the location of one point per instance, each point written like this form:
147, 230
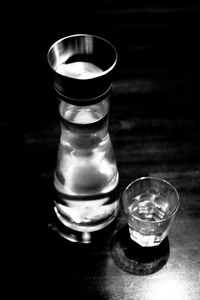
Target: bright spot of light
167, 289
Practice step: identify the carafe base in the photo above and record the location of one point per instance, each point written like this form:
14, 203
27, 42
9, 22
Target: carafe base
87, 235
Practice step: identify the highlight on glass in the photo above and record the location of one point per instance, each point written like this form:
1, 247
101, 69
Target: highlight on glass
150, 204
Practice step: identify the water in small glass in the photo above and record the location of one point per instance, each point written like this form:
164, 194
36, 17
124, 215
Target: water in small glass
147, 213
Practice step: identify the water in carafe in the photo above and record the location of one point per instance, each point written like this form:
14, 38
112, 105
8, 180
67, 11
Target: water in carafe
86, 174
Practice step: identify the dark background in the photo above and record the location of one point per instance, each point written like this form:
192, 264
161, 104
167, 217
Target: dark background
153, 39
154, 126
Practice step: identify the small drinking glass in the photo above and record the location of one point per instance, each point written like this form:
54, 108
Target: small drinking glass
150, 204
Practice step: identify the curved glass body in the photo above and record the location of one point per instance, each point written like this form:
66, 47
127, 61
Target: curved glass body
86, 174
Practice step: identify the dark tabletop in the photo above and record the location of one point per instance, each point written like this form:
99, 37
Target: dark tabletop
155, 130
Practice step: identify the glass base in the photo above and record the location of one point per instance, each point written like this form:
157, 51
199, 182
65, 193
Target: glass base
151, 240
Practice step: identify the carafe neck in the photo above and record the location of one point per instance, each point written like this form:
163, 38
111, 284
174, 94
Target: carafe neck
89, 122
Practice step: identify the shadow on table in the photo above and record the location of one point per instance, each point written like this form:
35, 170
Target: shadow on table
135, 259
48, 264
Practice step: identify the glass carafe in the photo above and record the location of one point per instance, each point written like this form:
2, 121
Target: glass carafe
86, 174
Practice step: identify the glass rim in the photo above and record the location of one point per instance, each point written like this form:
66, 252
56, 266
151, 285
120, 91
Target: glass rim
157, 179
77, 35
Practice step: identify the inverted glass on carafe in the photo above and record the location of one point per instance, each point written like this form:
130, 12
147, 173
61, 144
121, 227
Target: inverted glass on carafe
86, 174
